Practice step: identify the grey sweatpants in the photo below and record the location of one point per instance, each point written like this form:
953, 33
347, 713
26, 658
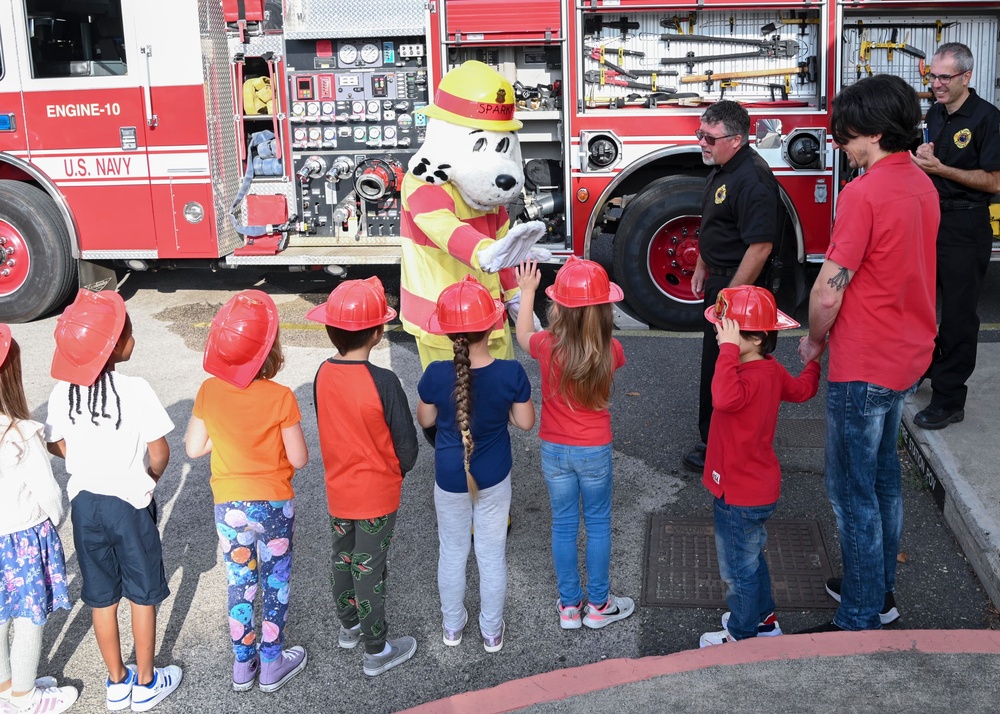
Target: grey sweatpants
456, 515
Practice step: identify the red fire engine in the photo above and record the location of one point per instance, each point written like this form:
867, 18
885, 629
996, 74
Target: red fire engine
227, 133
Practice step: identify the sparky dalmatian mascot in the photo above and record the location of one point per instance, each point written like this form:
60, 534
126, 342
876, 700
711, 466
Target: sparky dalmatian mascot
454, 195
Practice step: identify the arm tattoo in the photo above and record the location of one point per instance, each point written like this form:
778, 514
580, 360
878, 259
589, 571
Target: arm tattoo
840, 280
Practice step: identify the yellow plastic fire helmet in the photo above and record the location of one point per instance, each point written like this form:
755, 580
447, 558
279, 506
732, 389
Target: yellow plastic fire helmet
474, 95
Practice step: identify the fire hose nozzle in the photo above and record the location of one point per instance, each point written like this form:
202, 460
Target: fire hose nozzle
312, 168
341, 168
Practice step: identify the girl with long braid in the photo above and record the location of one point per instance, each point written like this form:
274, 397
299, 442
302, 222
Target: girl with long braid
472, 399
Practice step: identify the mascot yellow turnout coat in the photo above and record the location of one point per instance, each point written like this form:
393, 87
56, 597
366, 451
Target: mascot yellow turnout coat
454, 220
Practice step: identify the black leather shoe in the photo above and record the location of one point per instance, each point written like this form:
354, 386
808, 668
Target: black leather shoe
701, 446
938, 418
694, 460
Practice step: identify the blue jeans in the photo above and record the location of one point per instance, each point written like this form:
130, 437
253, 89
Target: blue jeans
572, 473
863, 484
740, 538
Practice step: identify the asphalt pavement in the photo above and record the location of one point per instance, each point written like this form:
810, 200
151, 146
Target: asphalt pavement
943, 650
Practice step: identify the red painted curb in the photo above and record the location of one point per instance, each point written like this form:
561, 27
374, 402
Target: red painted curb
560, 684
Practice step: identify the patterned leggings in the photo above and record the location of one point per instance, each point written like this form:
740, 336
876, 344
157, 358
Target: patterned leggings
359, 575
256, 540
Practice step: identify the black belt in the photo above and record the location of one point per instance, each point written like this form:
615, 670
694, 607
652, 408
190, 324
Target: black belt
949, 205
722, 272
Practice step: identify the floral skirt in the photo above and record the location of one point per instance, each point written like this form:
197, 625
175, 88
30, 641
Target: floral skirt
33, 582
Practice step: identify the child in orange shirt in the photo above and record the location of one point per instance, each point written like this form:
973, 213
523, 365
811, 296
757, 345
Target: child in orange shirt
251, 427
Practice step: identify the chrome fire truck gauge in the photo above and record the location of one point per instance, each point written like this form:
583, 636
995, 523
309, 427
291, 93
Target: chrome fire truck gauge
370, 53
373, 106
312, 109
348, 54
298, 109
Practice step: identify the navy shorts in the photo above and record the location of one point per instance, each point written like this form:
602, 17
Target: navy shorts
118, 548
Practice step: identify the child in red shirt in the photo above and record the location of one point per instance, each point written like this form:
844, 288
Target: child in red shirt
368, 443
741, 468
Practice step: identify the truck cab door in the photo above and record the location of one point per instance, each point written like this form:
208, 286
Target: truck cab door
12, 129
83, 106
186, 88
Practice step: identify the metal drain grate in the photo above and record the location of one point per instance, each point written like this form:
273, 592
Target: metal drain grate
682, 569
800, 434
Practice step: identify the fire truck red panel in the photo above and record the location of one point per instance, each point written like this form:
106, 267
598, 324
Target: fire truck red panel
266, 210
250, 10
514, 20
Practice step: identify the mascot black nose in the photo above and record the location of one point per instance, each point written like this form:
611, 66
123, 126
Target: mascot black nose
506, 182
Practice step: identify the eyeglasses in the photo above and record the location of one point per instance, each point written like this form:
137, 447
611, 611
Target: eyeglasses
709, 139
943, 78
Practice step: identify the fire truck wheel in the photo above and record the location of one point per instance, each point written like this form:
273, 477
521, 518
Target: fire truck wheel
656, 249
37, 270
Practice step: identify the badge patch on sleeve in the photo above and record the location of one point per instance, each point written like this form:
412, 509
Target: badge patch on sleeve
963, 138
720, 193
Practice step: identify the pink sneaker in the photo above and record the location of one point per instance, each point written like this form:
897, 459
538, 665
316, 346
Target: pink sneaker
569, 616
273, 675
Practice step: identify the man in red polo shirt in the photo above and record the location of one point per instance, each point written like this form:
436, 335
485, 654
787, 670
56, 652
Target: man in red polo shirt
875, 298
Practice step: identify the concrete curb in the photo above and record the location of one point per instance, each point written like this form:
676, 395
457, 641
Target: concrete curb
561, 684
951, 460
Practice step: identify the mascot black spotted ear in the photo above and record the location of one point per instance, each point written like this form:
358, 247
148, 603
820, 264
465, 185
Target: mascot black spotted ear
455, 194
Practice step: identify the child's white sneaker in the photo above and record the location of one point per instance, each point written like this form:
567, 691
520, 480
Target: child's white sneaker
165, 681
45, 700
119, 694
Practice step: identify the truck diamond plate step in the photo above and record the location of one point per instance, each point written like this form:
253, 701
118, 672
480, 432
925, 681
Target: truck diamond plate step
682, 569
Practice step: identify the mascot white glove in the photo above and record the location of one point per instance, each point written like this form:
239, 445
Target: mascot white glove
518, 245
514, 307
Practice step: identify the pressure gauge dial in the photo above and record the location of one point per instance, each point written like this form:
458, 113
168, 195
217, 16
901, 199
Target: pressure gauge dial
370, 53
373, 106
298, 109
358, 107
359, 133
348, 54
329, 109
390, 132
312, 109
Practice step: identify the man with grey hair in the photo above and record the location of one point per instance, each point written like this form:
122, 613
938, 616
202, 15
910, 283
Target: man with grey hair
961, 154
739, 225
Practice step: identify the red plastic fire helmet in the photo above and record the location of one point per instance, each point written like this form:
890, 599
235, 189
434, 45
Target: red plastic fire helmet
751, 307
86, 335
5, 339
583, 282
354, 305
466, 306
241, 337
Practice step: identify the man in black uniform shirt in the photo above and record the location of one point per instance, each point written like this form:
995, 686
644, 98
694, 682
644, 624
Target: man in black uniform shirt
962, 157
739, 224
